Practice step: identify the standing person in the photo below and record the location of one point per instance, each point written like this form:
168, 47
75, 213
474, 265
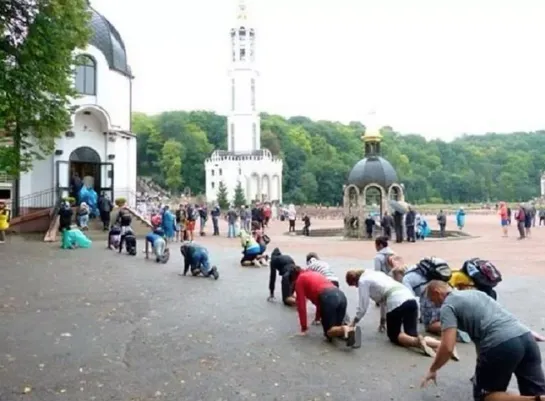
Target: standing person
105, 209
306, 225
541, 216
83, 216
231, 221
528, 219
461, 218
203, 218
330, 305
180, 222
520, 217
398, 308
4, 222
504, 345
168, 224
369, 226
245, 218
191, 220
504, 218
398, 226
281, 264
442, 221
387, 223
266, 214
292, 215
216, 213
509, 214
410, 221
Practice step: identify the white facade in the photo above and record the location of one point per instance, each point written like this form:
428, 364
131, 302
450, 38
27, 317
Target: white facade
258, 172
101, 129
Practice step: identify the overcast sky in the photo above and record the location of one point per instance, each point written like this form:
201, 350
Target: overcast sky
435, 67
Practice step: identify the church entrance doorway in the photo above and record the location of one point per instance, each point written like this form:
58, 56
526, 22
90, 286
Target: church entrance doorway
84, 165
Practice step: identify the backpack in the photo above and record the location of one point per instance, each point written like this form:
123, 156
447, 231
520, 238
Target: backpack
482, 272
191, 214
434, 269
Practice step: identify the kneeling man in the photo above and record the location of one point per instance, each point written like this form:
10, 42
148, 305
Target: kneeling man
504, 345
196, 258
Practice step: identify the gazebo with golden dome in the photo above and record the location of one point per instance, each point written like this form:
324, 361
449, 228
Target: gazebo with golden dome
372, 182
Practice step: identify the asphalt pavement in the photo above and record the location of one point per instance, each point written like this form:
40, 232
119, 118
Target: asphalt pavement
97, 325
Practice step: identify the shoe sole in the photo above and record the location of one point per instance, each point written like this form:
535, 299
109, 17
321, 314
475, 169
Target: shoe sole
455, 356
426, 348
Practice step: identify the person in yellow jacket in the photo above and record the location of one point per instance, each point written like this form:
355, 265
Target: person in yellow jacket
4, 221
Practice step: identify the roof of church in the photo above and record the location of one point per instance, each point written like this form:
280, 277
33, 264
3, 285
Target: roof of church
108, 40
259, 152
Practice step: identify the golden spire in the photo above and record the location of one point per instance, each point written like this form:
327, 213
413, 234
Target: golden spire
372, 129
242, 13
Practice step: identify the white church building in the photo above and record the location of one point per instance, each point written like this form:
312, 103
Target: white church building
99, 146
257, 170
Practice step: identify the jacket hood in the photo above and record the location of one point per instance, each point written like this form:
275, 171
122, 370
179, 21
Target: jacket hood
386, 251
276, 252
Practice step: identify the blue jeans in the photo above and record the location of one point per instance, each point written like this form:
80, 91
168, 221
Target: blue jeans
200, 259
247, 224
83, 220
231, 230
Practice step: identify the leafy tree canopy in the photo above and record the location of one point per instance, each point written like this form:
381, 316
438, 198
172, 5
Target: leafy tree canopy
318, 155
36, 69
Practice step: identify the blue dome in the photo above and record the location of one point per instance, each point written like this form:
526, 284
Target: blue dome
108, 40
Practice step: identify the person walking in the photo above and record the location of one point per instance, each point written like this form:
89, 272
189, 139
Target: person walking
215, 213
442, 221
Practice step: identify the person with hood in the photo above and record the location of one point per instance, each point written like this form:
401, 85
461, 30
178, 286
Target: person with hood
410, 221
292, 216
65, 216
422, 229
168, 224
281, 264
442, 221
460, 218
196, 257
383, 255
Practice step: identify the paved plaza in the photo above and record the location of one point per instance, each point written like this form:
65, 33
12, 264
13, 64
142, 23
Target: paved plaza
96, 325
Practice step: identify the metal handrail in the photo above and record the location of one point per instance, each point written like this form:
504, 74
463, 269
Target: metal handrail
37, 201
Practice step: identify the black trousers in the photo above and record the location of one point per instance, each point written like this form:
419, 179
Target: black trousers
411, 234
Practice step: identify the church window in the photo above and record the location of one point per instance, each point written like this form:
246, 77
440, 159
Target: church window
232, 137
239, 171
213, 185
213, 172
242, 54
232, 94
86, 75
253, 94
254, 136
221, 171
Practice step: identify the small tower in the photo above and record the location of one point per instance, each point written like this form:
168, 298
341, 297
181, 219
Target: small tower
372, 137
244, 133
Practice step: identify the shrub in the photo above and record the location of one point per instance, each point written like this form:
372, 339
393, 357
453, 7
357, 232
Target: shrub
120, 202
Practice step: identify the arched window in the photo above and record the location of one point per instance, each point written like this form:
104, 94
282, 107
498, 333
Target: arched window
86, 75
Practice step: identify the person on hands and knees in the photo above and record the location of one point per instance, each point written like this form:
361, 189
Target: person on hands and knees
158, 244
504, 345
196, 257
398, 308
330, 305
283, 264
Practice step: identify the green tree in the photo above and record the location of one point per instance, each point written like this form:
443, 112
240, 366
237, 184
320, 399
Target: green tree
240, 198
171, 164
222, 200
37, 48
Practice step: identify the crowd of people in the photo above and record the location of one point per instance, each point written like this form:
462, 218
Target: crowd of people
457, 305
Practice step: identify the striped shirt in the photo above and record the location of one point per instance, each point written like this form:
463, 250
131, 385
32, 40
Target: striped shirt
323, 268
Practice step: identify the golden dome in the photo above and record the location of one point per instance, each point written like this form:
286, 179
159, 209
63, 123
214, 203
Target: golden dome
372, 135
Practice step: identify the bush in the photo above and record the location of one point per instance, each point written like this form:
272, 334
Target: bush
119, 202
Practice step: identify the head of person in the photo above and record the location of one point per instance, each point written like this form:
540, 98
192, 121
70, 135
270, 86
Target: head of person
312, 255
381, 243
295, 271
2, 205
437, 291
353, 277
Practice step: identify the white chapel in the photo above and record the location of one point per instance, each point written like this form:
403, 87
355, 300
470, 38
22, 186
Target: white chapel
257, 170
99, 146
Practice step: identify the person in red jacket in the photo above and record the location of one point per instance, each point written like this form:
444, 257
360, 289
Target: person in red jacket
330, 305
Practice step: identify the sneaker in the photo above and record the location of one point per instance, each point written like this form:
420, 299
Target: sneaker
215, 273
455, 356
425, 347
357, 337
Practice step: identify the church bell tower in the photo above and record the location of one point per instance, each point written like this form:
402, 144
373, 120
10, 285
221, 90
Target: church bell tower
243, 122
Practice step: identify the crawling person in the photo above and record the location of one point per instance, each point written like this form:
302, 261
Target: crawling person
129, 240
196, 258
261, 238
505, 347
158, 244
330, 305
281, 264
251, 251
114, 236
124, 219
314, 263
